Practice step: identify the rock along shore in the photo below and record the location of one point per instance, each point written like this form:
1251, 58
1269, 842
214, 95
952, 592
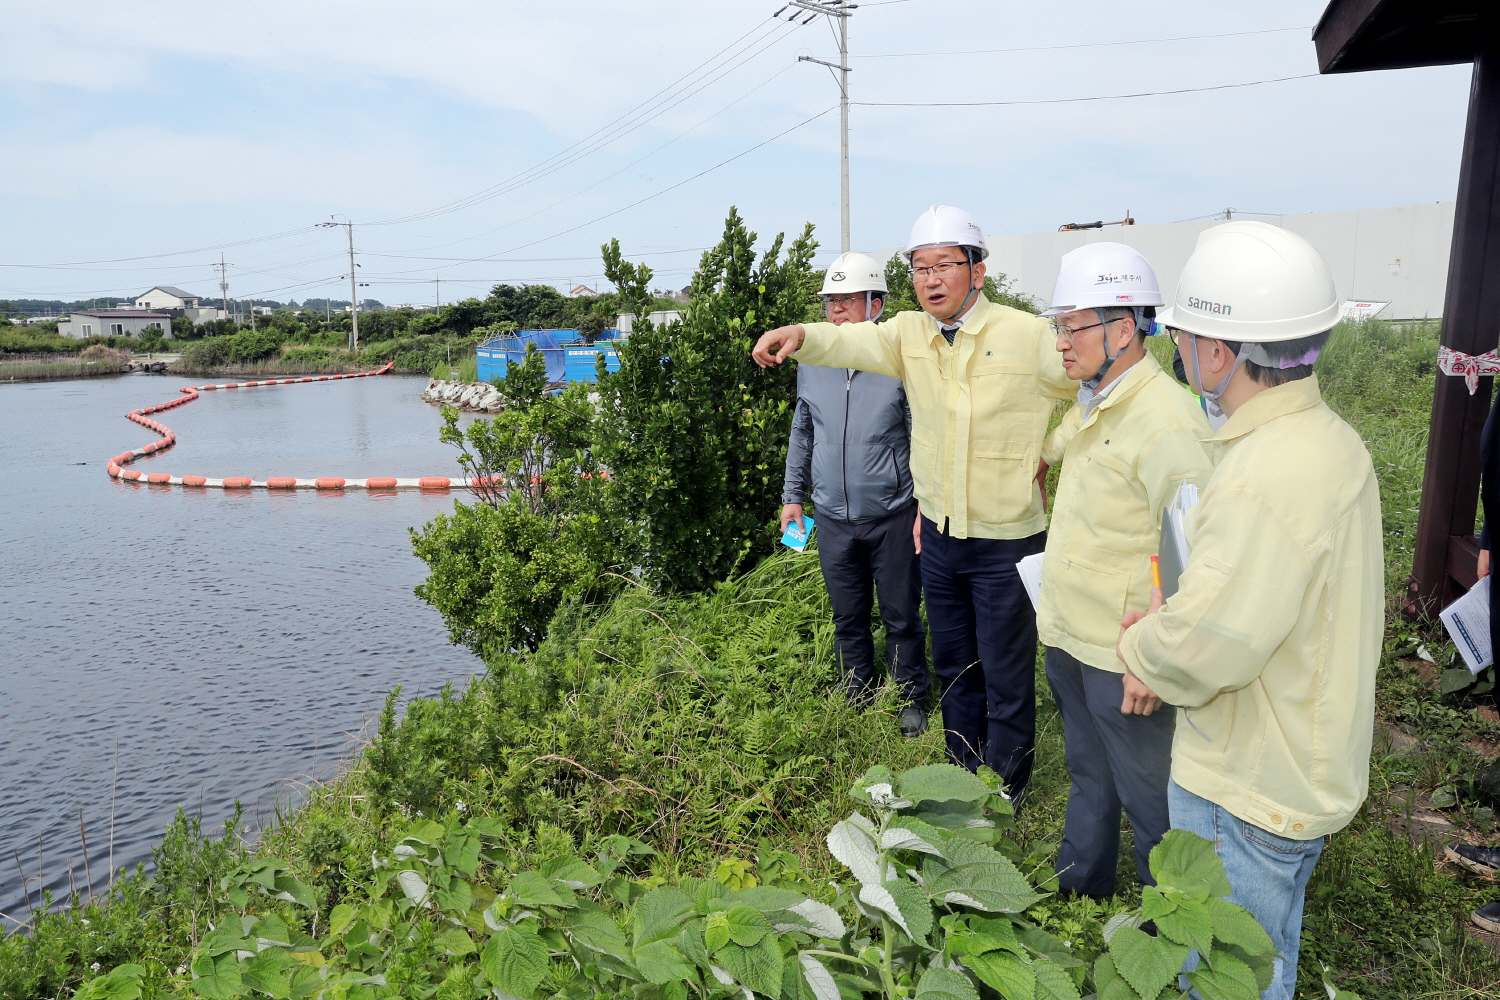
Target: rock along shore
477, 396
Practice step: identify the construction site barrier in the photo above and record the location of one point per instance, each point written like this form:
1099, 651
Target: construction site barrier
116, 465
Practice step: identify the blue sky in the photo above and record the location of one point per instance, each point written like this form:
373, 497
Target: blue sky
160, 130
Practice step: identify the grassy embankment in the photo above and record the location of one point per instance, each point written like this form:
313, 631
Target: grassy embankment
706, 727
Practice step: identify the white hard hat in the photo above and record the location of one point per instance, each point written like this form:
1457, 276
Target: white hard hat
1254, 283
853, 272
1100, 275
945, 226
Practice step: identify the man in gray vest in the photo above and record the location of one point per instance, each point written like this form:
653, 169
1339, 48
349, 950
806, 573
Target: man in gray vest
851, 447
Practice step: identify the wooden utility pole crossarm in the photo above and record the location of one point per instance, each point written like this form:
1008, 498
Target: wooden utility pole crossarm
1357, 35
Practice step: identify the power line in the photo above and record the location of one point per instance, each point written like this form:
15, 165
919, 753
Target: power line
1080, 45
531, 260
759, 29
642, 201
175, 253
681, 135
1074, 100
653, 107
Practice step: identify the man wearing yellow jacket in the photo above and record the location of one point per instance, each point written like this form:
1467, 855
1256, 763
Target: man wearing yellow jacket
980, 379
1128, 445
1270, 645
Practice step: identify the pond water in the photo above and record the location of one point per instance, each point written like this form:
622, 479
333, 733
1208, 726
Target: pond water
163, 646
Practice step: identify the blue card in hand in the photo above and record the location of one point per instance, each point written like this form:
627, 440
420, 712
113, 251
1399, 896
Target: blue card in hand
794, 537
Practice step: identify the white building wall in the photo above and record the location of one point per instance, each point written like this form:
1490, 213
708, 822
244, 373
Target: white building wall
661, 317
158, 299
103, 326
1395, 255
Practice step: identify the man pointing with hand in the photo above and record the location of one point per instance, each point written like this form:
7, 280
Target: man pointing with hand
980, 379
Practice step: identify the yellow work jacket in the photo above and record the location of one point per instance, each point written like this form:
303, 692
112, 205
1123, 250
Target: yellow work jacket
1271, 643
1122, 464
979, 408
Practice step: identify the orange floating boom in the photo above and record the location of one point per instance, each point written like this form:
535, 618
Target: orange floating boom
116, 465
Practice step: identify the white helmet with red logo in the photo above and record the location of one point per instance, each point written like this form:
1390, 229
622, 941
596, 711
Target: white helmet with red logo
945, 226
1101, 275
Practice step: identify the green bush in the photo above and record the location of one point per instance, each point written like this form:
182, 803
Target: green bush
308, 355
694, 432
543, 532
246, 345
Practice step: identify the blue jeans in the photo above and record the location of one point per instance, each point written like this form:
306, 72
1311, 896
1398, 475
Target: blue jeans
1268, 872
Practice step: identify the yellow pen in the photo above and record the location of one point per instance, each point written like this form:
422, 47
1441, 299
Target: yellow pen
1155, 572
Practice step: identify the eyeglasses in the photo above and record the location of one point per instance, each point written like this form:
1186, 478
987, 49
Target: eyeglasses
942, 270
1060, 331
842, 300
1175, 333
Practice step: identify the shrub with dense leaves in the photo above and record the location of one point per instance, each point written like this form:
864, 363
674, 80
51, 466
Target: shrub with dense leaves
692, 430
543, 531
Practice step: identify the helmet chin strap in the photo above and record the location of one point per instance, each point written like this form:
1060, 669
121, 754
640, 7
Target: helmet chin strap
963, 306
1092, 384
1211, 396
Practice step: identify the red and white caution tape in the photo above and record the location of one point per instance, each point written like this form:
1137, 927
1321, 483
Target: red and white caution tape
116, 466
1470, 366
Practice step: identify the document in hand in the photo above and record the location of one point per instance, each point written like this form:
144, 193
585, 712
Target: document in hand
1172, 550
794, 537
1030, 571
1468, 622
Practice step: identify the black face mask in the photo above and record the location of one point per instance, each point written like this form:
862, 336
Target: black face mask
1178, 368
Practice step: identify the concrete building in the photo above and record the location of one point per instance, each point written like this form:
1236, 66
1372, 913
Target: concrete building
114, 323
1396, 256
176, 302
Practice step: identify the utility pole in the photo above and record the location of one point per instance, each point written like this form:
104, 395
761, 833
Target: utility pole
842, 10
353, 285
437, 284
223, 287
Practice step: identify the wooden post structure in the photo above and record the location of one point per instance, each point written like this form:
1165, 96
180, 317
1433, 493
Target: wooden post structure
1358, 35
1445, 550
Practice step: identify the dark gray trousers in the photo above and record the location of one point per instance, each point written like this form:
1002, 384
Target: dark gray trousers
860, 561
1114, 760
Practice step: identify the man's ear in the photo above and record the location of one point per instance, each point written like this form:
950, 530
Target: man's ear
1221, 358
979, 270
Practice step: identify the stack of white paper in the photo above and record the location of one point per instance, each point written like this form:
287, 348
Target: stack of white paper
1468, 622
1030, 570
1172, 552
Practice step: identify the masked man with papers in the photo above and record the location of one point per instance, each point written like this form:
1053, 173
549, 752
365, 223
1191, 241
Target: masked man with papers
1129, 444
1269, 647
980, 379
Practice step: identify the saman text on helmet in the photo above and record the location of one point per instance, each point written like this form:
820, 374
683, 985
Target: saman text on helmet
1203, 305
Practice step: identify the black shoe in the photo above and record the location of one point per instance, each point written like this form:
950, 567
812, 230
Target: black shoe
913, 722
1488, 917
1480, 860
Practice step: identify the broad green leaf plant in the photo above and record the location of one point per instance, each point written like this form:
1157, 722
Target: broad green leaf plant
936, 910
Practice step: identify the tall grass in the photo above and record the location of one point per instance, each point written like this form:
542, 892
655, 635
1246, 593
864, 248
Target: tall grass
273, 367
69, 368
465, 370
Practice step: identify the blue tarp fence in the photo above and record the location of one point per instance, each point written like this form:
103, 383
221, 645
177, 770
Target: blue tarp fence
556, 347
